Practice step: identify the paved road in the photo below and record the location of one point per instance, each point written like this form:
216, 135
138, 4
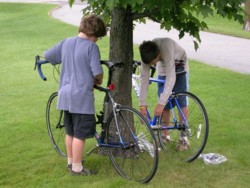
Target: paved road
218, 50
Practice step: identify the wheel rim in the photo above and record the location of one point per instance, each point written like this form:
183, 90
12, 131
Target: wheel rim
196, 134
55, 126
139, 161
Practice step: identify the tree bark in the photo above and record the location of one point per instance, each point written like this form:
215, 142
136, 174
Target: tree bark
121, 49
247, 15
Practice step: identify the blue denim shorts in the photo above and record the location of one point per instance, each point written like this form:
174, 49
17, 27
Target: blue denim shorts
81, 126
181, 84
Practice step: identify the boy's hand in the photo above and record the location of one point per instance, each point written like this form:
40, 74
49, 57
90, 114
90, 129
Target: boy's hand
98, 79
158, 109
98, 82
143, 111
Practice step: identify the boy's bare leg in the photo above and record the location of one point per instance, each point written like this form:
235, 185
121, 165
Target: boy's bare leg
183, 143
165, 122
77, 150
68, 143
185, 113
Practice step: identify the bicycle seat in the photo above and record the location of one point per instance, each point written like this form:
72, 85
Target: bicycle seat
112, 65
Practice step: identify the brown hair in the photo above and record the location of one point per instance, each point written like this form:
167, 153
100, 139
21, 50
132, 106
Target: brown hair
92, 26
148, 51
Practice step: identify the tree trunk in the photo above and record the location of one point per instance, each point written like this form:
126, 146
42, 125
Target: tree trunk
121, 49
247, 15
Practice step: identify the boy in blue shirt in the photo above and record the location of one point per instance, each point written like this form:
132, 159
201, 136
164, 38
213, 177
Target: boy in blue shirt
81, 70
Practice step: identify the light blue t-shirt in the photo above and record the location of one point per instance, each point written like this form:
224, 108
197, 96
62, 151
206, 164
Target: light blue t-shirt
80, 60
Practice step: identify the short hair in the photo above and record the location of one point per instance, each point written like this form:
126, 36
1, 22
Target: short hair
148, 51
92, 26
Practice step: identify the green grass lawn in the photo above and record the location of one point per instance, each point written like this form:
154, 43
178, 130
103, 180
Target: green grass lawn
218, 24
27, 158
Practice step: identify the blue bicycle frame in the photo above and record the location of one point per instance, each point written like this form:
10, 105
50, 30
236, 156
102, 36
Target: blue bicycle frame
153, 122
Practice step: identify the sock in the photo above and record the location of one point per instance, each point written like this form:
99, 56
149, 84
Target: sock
168, 137
184, 140
70, 160
77, 167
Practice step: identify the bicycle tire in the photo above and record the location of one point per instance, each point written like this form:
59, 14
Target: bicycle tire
197, 133
139, 161
55, 126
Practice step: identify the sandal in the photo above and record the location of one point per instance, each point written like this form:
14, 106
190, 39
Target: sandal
166, 139
69, 166
84, 172
182, 146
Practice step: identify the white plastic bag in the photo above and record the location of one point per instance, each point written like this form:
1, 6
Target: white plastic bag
213, 158
145, 145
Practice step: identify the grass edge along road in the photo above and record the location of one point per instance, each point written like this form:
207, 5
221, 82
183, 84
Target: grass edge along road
27, 158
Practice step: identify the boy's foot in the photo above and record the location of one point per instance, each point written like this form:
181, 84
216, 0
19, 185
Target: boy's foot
69, 166
84, 172
166, 139
182, 146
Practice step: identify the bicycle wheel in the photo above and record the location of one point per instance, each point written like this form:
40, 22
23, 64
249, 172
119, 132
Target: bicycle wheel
193, 132
55, 126
136, 158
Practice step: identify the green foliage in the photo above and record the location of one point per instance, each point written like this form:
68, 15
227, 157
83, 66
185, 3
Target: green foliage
179, 14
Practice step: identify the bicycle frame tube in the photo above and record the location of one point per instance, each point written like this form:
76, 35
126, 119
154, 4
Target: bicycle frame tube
154, 120
115, 109
135, 85
156, 80
176, 126
109, 98
180, 111
148, 115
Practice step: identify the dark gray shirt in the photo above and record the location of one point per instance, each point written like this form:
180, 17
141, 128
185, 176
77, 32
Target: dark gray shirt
80, 60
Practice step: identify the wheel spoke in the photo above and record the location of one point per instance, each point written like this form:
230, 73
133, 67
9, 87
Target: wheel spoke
139, 161
186, 144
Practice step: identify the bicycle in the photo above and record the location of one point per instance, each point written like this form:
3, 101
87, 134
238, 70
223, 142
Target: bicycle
125, 133
192, 124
